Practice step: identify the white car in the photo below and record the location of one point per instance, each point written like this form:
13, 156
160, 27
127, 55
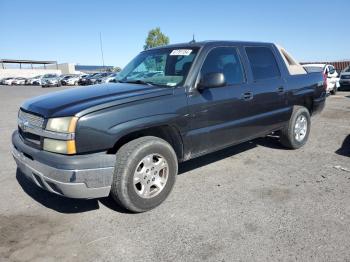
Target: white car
8, 81
329, 72
107, 79
51, 80
70, 80
345, 79
19, 81
34, 80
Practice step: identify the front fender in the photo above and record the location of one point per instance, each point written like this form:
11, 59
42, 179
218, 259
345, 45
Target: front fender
128, 127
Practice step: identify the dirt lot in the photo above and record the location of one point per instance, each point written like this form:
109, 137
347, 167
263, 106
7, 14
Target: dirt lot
253, 202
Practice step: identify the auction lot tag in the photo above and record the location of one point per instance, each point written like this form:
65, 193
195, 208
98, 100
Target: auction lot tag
184, 52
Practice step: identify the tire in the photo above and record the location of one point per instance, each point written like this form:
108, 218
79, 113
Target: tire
127, 190
288, 136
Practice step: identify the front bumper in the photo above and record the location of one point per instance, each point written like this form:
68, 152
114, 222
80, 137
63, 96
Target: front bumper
49, 84
80, 176
344, 82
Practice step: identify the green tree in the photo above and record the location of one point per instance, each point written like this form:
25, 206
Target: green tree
116, 69
155, 38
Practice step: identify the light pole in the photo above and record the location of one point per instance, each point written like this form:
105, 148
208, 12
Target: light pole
103, 60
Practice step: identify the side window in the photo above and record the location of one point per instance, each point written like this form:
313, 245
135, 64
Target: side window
224, 60
262, 62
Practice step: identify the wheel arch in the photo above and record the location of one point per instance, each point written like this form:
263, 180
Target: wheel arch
167, 132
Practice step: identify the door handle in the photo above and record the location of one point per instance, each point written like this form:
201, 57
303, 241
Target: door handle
280, 89
247, 96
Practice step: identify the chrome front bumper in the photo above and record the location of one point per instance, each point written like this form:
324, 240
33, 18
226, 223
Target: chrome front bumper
81, 182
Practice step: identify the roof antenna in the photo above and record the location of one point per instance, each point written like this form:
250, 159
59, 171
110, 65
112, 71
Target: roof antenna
193, 40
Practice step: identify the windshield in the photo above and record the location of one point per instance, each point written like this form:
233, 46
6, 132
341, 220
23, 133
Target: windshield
347, 69
165, 67
93, 75
49, 76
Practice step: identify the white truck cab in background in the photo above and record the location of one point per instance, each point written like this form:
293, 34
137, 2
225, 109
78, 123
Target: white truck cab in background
329, 72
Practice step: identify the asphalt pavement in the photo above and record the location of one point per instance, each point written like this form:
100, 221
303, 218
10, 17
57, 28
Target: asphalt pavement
253, 202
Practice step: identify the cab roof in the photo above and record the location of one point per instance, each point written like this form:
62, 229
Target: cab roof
210, 43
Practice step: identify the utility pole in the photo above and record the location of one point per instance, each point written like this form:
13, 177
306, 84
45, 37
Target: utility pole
103, 60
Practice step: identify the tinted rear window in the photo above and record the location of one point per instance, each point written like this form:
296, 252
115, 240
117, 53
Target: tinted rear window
262, 62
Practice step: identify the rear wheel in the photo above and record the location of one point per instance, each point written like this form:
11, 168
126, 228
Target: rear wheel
296, 133
145, 173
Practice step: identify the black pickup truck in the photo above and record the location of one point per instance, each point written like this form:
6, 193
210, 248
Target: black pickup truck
169, 104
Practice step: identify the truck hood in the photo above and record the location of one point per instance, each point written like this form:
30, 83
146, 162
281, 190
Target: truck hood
74, 101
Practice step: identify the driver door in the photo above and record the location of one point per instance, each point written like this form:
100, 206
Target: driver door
216, 113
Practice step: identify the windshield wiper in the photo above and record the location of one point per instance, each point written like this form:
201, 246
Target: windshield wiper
140, 82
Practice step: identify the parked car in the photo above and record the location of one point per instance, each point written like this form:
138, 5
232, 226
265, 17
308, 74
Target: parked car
7, 81
96, 78
329, 72
30, 81
107, 79
84, 79
345, 79
50, 80
126, 139
70, 80
36, 80
19, 81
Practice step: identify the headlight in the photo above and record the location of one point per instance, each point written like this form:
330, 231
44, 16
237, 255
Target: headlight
59, 146
62, 124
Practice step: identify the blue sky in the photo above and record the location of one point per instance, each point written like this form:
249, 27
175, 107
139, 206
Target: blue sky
68, 31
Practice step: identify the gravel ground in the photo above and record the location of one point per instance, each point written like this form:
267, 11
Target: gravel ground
252, 202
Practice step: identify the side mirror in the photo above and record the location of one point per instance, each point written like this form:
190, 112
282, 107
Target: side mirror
212, 80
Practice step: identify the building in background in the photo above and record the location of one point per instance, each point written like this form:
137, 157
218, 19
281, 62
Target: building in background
27, 68
89, 69
339, 65
31, 68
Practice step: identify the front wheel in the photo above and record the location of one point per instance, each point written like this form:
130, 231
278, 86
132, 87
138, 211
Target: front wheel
296, 133
145, 173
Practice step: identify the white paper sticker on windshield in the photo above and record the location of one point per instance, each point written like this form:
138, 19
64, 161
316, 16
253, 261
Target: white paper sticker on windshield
171, 84
184, 52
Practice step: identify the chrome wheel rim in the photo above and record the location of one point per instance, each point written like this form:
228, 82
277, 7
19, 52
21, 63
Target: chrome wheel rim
151, 175
300, 128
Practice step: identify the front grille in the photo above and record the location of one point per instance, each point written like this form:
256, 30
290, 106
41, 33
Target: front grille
30, 139
345, 77
33, 120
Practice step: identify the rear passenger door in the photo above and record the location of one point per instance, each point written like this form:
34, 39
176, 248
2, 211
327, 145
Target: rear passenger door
268, 105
